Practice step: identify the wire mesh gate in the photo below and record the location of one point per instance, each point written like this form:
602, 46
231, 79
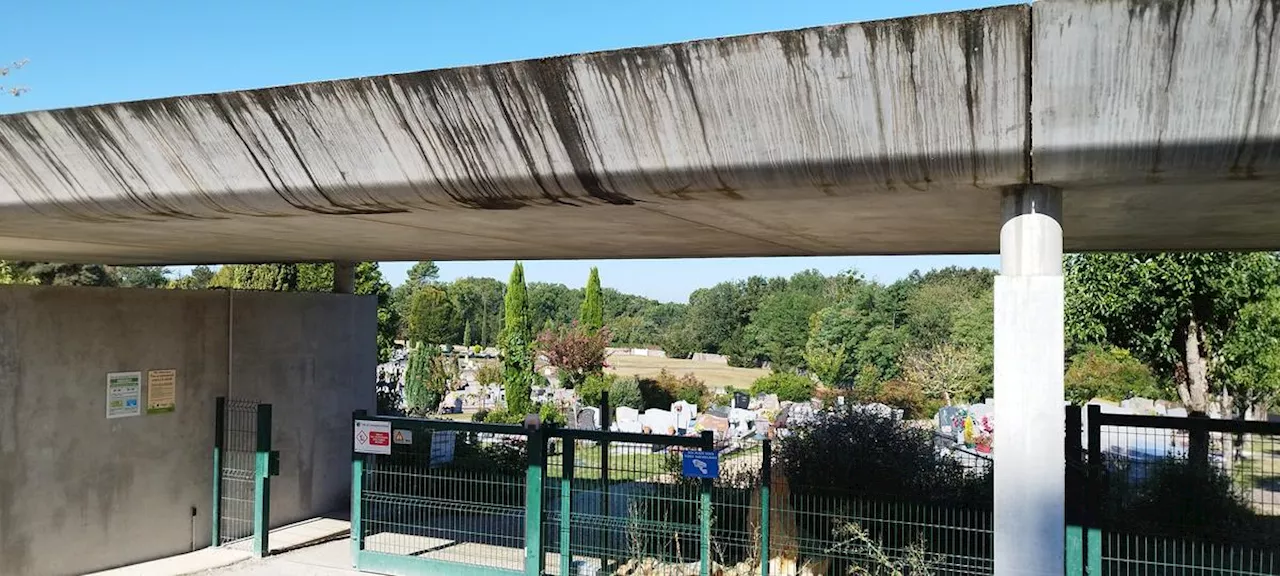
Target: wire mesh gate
243, 463
486, 499
1155, 495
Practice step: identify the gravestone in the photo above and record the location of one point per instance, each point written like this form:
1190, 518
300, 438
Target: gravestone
946, 417
741, 400
1178, 412
767, 402
720, 426
588, 418
627, 420
658, 421
719, 411
1139, 405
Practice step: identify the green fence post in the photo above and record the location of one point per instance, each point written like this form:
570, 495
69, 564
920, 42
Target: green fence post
262, 484
566, 504
704, 523
533, 557
357, 487
1074, 484
606, 422
219, 435
766, 485
1093, 519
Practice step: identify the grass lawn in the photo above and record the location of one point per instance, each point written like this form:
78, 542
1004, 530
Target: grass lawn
716, 376
632, 464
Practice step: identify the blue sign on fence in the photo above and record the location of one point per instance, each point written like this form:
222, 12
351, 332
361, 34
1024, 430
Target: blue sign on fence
698, 464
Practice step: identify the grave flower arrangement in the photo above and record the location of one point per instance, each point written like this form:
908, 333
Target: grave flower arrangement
985, 434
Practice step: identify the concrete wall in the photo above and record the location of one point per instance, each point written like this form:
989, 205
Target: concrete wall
79, 492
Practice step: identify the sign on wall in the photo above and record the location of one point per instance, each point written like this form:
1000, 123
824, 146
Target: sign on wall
124, 394
162, 391
372, 437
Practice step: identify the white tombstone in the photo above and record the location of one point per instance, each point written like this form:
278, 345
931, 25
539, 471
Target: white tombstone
1177, 412
626, 414
658, 421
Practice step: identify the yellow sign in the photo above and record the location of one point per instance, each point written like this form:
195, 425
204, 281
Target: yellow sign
162, 390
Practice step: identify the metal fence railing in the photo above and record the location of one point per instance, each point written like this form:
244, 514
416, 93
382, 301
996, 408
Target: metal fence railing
597, 502
1168, 495
1145, 495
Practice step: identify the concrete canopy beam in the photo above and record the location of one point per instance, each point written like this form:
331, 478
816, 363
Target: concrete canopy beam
924, 115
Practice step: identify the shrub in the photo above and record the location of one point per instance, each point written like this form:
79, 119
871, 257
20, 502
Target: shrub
1178, 498
576, 350
489, 374
862, 453
906, 396
665, 388
593, 387
425, 380
547, 412
863, 462
625, 392
787, 385
1112, 374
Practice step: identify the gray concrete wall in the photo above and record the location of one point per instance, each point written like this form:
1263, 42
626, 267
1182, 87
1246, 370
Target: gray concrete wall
79, 492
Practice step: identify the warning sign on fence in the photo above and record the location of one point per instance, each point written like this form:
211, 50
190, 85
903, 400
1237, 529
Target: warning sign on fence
373, 437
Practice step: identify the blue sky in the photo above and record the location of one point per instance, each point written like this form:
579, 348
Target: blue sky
92, 52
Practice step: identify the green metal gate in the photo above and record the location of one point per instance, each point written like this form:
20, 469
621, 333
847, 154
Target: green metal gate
243, 463
461, 498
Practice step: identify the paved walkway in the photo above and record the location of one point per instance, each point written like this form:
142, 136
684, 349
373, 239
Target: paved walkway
308, 547
327, 559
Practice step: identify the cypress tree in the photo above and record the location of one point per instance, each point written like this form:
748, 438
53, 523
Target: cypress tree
517, 345
592, 305
416, 395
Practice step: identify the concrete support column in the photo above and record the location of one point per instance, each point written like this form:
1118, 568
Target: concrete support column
344, 277
1029, 333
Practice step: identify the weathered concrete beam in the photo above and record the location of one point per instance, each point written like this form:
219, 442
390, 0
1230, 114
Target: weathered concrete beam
1157, 118
893, 109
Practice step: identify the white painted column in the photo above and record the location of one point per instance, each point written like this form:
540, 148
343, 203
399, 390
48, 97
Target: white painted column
1029, 333
344, 277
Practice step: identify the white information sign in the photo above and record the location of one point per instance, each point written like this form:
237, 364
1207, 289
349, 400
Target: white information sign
442, 443
124, 394
403, 437
372, 437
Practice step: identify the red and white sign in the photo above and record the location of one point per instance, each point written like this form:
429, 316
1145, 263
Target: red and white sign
372, 437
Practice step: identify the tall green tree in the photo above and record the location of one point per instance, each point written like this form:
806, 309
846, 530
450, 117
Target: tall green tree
552, 304
479, 303
781, 326
517, 345
1249, 368
425, 379
423, 273
1174, 311
432, 317
861, 334
592, 313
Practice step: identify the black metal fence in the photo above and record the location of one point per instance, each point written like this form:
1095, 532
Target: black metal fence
1169, 495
